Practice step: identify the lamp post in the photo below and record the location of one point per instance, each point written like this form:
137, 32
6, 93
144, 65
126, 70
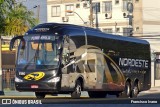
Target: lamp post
38, 10
91, 13
70, 11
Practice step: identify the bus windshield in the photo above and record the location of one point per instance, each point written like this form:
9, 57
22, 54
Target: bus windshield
37, 54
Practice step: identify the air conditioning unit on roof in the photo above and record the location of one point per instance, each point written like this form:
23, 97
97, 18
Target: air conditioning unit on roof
65, 19
108, 15
125, 14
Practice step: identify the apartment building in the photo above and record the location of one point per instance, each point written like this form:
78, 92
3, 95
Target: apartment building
138, 18
111, 14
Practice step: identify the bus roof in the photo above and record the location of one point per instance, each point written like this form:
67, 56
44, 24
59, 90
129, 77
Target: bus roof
89, 30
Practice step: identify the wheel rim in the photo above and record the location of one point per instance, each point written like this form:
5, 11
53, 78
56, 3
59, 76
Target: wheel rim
78, 89
128, 90
135, 90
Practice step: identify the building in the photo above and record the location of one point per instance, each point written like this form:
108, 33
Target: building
8, 64
138, 18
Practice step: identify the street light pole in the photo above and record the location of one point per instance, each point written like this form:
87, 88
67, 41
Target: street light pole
70, 11
38, 11
91, 13
1, 76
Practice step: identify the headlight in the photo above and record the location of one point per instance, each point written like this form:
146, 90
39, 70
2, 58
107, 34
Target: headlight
18, 80
56, 79
54, 72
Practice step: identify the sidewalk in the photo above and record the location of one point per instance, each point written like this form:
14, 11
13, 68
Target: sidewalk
154, 92
18, 94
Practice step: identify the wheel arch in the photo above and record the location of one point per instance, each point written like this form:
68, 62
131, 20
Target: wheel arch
129, 80
81, 79
136, 82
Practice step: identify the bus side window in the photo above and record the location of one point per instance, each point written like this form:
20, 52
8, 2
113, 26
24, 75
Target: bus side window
22, 47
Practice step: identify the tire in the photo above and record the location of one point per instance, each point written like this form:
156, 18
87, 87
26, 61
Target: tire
135, 91
77, 90
118, 95
40, 95
128, 89
94, 94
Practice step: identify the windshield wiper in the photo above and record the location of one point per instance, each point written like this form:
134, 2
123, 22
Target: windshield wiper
36, 56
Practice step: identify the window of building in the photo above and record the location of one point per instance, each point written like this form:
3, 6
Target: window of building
117, 30
55, 11
116, 1
96, 7
157, 67
136, 1
84, 5
125, 5
71, 8
77, 5
107, 6
127, 31
137, 29
108, 30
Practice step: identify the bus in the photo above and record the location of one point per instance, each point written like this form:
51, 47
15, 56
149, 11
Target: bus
56, 58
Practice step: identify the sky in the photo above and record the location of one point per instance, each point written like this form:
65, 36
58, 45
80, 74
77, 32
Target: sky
30, 4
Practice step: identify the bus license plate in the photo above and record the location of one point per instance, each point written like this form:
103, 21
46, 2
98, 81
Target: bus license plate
34, 86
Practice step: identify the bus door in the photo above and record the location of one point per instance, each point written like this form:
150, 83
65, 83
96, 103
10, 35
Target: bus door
92, 63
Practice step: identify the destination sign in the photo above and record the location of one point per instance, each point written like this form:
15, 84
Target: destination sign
42, 38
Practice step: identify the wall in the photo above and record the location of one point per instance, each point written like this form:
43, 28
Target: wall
151, 17
116, 20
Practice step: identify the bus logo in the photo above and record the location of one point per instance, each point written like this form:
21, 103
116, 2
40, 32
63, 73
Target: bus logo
34, 76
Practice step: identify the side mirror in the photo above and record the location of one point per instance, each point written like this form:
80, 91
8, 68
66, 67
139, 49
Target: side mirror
13, 41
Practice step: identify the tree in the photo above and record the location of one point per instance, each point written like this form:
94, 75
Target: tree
19, 20
2, 19
15, 19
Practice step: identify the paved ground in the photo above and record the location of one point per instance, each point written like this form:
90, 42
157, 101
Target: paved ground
154, 92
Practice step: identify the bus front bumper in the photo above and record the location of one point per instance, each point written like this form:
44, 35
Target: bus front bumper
38, 86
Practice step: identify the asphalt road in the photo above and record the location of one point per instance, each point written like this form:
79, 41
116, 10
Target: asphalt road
148, 97
82, 100
101, 101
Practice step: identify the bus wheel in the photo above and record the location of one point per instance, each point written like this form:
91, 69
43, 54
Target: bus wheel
119, 95
135, 91
128, 89
94, 94
40, 95
77, 91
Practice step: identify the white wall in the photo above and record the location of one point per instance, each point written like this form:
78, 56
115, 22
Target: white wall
151, 9
149, 29
151, 17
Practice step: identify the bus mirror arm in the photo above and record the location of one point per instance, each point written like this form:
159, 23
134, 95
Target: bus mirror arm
13, 41
66, 37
